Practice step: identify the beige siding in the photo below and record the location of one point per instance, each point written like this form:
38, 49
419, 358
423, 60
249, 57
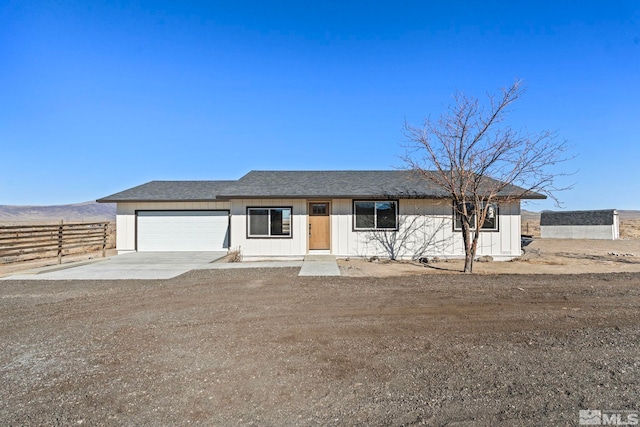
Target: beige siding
126, 218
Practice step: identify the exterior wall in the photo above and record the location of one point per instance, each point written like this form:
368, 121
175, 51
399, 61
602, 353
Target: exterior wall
126, 218
504, 244
256, 247
420, 221
599, 232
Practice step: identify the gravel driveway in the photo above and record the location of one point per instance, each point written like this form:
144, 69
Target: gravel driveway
266, 347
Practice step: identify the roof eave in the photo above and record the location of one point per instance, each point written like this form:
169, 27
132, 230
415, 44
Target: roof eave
109, 200
533, 197
335, 196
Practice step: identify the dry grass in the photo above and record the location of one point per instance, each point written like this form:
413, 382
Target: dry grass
235, 255
630, 229
531, 227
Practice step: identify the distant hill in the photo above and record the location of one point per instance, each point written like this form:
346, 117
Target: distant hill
529, 216
88, 211
628, 214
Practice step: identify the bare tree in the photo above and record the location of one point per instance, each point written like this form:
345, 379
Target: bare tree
417, 235
479, 161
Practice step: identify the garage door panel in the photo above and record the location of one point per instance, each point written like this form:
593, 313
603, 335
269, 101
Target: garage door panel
183, 230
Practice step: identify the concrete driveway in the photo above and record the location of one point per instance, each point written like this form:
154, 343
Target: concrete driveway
136, 265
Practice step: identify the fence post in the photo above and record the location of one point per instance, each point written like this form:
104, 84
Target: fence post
104, 240
60, 228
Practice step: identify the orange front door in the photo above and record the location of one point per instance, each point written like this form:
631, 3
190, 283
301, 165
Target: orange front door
319, 233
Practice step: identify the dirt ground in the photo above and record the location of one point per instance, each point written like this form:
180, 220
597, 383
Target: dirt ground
266, 347
542, 256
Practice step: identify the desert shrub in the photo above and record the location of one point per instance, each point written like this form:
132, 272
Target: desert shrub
235, 255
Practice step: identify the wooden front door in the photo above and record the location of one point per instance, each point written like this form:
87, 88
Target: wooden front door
319, 233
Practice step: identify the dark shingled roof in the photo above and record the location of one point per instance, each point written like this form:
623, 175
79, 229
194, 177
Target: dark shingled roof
349, 184
310, 184
297, 184
170, 191
600, 217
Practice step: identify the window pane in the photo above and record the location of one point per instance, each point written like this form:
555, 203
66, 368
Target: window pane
491, 220
318, 209
280, 222
489, 224
258, 222
386, 214
458, 220
470, 210
286, 222
364, 214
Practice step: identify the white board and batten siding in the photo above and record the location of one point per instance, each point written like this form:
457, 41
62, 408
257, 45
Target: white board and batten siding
434, 220
429, 219
267, 247
172, 226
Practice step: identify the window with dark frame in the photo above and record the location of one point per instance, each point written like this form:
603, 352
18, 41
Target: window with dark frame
375, 215
269, 222
490, 222
318, 209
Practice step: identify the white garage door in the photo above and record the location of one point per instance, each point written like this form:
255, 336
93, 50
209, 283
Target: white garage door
183, 231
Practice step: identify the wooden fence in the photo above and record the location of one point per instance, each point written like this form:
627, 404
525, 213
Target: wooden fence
23, 240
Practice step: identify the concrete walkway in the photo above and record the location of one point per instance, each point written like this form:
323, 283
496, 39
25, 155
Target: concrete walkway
135, 265
166, 265
319, 265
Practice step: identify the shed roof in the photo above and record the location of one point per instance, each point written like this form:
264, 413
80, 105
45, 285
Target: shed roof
597, 217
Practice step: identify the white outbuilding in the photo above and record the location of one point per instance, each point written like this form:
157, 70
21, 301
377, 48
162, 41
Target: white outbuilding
599, 224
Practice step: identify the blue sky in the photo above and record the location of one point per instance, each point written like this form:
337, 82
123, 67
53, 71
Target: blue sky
100, 96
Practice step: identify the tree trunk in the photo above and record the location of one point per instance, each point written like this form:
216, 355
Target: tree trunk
468, 248
474, 249
468, 263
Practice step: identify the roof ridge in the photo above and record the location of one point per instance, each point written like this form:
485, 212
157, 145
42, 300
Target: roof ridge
192, 180
330, 170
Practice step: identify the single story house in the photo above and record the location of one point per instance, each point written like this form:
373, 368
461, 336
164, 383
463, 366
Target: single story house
598, 224
289, 214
